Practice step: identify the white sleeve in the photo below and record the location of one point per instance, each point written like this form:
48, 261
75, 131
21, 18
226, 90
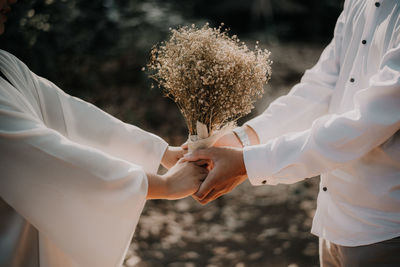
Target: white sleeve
333, 139
307, 100
89, 125
86, 201
82, 122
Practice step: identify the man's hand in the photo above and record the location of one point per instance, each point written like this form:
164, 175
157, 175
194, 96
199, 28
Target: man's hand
227, 171
171, 156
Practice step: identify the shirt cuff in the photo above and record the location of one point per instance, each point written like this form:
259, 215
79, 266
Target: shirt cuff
258, 124
258, 165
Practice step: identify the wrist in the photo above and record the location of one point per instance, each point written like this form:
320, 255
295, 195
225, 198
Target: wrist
157, 187
165, 156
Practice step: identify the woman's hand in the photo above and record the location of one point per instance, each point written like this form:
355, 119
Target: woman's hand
171, 156
180, 181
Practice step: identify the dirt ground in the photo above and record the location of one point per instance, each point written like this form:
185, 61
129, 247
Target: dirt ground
251, 226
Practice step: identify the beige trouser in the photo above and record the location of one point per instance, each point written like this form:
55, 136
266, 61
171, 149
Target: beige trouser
382, 254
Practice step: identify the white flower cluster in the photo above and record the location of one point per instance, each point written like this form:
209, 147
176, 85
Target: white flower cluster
213, 78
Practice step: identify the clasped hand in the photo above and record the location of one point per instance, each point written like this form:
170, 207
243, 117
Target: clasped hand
219, 169
226, 171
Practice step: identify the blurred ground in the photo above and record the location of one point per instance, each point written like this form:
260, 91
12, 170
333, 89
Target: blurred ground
252, 226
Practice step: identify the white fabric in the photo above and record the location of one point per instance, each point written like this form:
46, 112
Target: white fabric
345, 130
73, 171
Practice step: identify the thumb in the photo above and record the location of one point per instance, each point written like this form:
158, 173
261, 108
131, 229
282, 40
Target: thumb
185, 146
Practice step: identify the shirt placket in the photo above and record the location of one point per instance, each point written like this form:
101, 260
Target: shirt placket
355, 76
372, 10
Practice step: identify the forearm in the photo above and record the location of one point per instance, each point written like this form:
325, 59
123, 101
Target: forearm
333, 140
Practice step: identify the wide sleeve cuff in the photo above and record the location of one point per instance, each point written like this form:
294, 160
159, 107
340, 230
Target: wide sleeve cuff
146, 149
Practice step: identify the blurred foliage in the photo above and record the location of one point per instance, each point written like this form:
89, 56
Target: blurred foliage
87, 45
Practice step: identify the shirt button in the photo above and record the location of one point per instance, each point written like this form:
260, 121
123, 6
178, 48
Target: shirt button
324, 188
377, 4
264, 182
364, 41
352, 80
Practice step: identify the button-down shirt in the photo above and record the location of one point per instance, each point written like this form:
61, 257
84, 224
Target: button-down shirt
342, 122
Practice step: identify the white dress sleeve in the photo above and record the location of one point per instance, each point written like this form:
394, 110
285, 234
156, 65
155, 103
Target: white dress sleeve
84, 200
89, 125
83, 122
74, 172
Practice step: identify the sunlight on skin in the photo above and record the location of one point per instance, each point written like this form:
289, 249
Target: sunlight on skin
171, 156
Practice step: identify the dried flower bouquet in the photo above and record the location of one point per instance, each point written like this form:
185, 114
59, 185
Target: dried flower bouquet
213, 78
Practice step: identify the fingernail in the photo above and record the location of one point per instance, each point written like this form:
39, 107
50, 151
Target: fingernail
187, 155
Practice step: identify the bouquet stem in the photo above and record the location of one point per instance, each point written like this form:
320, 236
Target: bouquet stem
204, 139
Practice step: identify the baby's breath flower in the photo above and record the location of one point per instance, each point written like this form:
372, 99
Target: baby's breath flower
213, 78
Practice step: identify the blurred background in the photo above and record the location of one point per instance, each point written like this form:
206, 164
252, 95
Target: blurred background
95, 50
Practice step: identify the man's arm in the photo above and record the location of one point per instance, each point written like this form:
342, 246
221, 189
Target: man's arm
294, 112
334, 139
306, 102
331, 141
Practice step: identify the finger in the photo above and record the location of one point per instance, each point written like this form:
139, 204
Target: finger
207, 164
179, 154
203, 163
185, 146
204, 201
199, 154
206, 186
182, 160
195, 198
214, 194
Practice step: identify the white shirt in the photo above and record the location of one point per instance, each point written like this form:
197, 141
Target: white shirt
73, 171
342, 122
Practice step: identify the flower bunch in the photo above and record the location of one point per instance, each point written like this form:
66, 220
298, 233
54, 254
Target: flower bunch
213, 78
